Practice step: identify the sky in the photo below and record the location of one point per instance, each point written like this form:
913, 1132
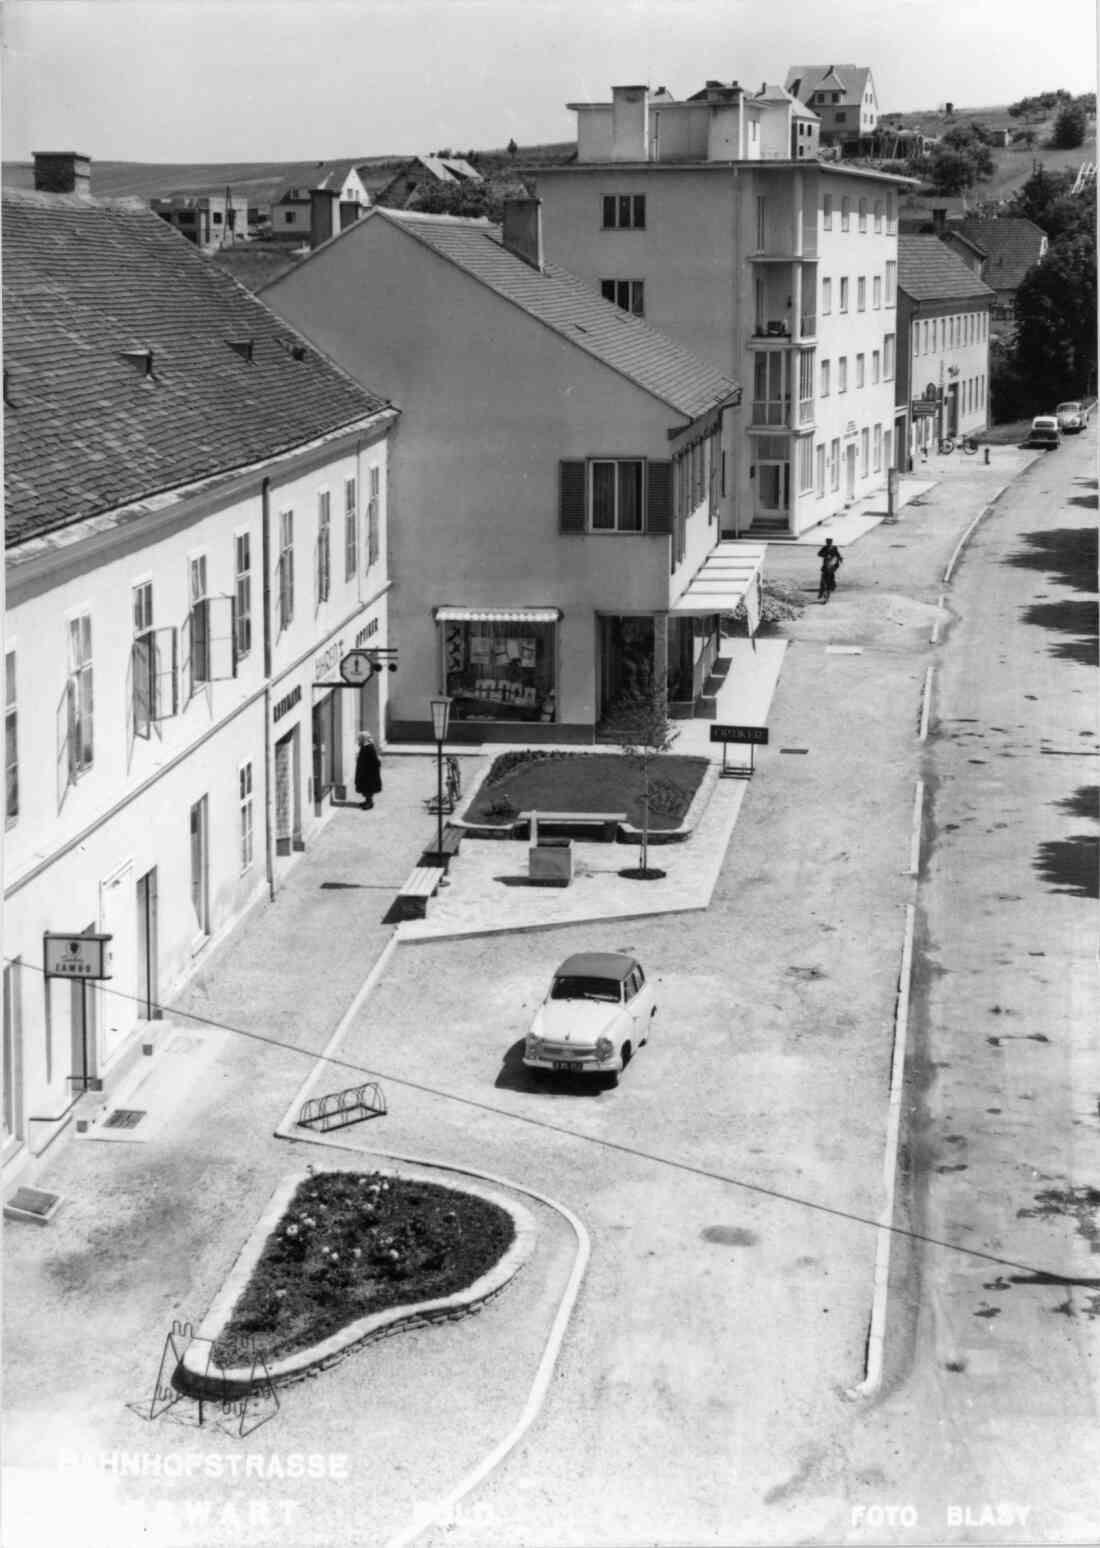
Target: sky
287, 80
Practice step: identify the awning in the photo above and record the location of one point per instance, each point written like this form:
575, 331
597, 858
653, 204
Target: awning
727, 573
532, 615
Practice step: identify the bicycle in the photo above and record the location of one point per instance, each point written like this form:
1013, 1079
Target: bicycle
946, 446
452, 787
969, 445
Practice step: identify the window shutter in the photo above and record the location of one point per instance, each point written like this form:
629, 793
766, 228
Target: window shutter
571, 508
659, 497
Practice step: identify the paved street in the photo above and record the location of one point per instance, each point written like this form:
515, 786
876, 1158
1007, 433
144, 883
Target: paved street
730, 1183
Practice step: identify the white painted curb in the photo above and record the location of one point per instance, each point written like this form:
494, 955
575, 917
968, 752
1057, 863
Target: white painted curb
926, 705
876, 1336
914, 839
934, 639
961, 544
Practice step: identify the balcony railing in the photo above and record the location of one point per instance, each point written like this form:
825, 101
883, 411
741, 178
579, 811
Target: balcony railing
775, 328
805, 411
770, 411
809, 325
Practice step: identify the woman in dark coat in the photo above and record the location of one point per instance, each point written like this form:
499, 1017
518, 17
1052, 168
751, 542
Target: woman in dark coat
368, 770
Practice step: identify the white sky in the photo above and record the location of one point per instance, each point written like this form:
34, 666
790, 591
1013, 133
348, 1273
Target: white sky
281, 80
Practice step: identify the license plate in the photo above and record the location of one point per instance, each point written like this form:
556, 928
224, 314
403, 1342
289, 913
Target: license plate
566, 1064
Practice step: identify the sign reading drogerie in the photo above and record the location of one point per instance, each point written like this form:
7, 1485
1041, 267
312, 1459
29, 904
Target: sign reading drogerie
76, 956
356, 667
754, 734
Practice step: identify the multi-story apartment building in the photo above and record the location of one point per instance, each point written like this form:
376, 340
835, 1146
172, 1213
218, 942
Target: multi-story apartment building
943, 373
195, 536
780, 269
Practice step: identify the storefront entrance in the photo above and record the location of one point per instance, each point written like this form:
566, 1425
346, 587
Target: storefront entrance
328, 762
626, 660
288, 815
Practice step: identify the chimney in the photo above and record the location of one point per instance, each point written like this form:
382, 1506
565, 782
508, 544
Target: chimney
350, 211
62, 172
630, 123
522, 229
322, 209
939, 221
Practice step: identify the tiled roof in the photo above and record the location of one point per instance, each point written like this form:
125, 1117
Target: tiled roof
771, 92
85, 429
1012, 245
575, 311
849, 78
929, 271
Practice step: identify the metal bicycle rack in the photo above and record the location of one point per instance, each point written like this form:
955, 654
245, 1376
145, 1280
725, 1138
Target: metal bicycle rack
340, 1108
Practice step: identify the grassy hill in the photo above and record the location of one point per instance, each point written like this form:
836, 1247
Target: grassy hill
1013, 164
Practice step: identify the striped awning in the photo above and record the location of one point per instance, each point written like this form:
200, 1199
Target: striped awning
727, 573
533, 615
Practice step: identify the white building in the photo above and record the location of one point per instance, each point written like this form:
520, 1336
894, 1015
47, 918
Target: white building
781, 270
196, 518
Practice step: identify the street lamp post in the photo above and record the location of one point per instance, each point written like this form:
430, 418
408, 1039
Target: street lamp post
441, 719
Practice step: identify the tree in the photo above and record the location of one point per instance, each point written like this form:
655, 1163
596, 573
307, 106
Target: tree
639, 723
467, 198
1070, 127
951, 171
513, 148
1055, 349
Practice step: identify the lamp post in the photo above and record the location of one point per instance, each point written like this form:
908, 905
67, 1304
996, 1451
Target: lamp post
441, 719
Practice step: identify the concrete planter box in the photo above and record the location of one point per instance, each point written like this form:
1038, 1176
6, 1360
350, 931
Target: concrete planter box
550, 862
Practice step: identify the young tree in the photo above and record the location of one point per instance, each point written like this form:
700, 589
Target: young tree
1070, 127
640, 725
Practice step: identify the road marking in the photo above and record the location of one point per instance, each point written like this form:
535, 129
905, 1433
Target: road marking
914, 841
926, 705
935, 637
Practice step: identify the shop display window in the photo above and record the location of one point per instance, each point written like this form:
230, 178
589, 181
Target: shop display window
500, 670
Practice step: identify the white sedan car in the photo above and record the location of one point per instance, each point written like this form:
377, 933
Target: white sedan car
597, 1013
1072, 416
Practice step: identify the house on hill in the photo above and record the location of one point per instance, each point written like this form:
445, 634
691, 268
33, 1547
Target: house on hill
210, 221
566, 475
291, 208
842, 95
425, 171
195, 535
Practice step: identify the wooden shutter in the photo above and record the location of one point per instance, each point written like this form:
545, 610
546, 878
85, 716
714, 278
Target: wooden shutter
571, 505
658, 497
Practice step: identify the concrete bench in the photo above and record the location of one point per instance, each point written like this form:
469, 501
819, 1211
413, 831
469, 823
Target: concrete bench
412, 900
442, 857
607, 822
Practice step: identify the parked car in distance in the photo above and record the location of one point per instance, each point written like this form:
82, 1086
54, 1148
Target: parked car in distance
1044, 431
597, 1013
1072, 416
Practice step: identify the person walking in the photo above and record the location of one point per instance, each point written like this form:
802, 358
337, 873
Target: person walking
368, 770
831, 562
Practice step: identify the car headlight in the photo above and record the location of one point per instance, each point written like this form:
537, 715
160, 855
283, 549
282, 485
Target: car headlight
604, 1048
534, 1045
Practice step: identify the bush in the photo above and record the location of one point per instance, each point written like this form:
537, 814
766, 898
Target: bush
1070, 127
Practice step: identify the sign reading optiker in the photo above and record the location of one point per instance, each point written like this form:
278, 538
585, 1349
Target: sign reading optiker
754, 734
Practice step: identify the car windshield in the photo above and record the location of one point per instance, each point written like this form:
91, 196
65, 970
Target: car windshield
1068, 408
573, 986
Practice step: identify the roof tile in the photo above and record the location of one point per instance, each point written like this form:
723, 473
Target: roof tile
929, 271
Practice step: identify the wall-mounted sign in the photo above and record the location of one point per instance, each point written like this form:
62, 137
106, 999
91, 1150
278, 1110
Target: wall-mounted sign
356, 667
76, 956
326, 663
287, 703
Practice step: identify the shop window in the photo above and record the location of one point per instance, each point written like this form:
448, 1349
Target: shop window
501, 670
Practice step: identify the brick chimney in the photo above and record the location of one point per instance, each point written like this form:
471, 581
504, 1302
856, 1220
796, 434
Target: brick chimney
350, 211
62, 172
939, 221
322, 214
521, 229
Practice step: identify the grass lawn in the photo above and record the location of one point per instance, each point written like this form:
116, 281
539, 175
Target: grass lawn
554, 781
353, 1243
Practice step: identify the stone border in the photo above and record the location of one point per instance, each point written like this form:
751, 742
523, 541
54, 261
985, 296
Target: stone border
194, 1378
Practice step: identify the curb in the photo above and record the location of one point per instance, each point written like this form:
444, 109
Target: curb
876, 1333
961, 544
926, 705
914, 837
193, 1375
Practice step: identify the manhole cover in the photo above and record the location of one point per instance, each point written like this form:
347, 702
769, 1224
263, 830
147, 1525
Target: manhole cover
124, 1118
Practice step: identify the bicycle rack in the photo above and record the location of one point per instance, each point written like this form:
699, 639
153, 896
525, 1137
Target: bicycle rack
340, 1108
212, 1380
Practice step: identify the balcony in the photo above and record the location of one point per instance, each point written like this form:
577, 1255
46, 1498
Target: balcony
778, 330
771, 411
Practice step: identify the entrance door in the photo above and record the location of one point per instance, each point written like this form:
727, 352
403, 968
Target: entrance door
850, 471
147, 950
953, 409
200, 866
773, 488
326, 747
118, 915
626, 659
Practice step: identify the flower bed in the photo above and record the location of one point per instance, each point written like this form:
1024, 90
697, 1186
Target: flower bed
353, 1243
555, 781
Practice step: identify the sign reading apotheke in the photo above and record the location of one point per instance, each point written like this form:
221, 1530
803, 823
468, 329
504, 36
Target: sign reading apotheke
756, 734
76, 956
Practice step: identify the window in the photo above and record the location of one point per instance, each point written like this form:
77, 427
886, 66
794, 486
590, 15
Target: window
863, 214
624, 212
891, 214
891, 281
861, 294
200, 623
878, 217
805, 464
616, 496
845, 204
629, 294
844, 295
79, 702
373, 540
826, 371
351, 530
806, 387
876, 291
142, 659
916, 339
876, 366
834, 465
761, 223
826, 296
288, 217
771, 390
242, 563
244, 786
286, 569
323, 576
819, 470
216, 217
888, 357
827, 211
842, 374
864, 453
507, 671
878, 448
842, 118
925, 349
11, 741
861, 370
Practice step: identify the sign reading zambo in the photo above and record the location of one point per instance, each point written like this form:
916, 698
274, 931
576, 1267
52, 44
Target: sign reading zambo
755, 734
76, 956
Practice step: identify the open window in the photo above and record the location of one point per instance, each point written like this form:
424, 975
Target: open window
153, 679
209, 642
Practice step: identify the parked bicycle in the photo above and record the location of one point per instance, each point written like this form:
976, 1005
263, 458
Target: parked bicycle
967, 442
452, 787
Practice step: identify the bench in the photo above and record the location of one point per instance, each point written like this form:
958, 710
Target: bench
412, 900
607, 822
436, 856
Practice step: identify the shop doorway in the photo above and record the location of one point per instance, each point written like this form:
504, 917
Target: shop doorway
200, 867
626, 660
147, 949
288, 815
773, 488
952, 414
328, 764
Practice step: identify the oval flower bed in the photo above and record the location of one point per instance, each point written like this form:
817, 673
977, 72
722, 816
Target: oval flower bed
353, 1243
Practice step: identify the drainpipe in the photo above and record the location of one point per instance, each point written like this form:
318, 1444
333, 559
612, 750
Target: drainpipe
269, 782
